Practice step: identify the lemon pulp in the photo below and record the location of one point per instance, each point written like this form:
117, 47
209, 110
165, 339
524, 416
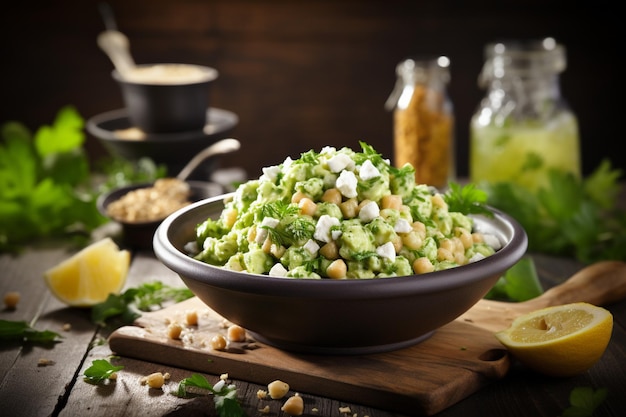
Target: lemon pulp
562, 340
89, 276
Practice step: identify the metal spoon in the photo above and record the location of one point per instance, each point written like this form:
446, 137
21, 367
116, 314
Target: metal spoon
220, 147
114, 43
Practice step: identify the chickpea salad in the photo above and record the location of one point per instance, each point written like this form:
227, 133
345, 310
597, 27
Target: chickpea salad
339, 214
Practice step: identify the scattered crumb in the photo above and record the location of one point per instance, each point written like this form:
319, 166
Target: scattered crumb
191, 317
345, 410
45, 362
236, 333
174, 330
294, 406
67, 327
277, 389
261, 394
155, 380
265, 410
224, 377
315, 410
11, 300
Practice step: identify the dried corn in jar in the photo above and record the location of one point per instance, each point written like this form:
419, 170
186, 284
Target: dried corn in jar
424, 120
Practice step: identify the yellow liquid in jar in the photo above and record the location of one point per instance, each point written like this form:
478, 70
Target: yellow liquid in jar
524, 153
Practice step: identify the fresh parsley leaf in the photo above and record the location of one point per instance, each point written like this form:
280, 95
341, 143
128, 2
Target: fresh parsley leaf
467, 199
584, 401
576, 217
129, 305
224, 395
20, 331
519, 283
100, 370
46, 185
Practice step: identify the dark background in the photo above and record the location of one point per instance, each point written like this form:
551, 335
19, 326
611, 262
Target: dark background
304, 74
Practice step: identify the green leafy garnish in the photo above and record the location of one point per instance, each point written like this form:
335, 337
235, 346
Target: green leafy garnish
369, 153
570, 216
467, 199
47, 188
20, 331
519, 283
43, 181
584, 401
224, 395
128, 305
278, 209
100, 370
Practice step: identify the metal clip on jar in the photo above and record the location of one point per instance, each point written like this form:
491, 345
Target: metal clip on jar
523, 127
424, 120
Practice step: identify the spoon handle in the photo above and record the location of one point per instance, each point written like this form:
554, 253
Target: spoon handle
220, 147
107, 15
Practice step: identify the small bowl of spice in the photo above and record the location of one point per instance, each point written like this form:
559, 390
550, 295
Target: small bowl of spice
140, 208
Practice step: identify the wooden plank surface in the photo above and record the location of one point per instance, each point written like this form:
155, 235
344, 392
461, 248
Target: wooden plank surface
458, 360
424, 379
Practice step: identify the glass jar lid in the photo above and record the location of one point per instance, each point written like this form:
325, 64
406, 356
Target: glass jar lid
522, 59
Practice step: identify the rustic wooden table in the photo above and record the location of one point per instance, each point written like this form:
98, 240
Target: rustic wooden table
58, 389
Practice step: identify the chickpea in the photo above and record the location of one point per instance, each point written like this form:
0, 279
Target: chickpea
332, 195
277, 389
191, 317
174, 330
297, 196
11, 299
294, 406
438, 201
444, 254
412, 240
423, 265
349, 208
330, 250
236, 333
465, 236
307, 206
337, 269
155, 380
391, 201
218, 342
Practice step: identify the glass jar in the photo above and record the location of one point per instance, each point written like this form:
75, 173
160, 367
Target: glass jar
523, 127
423, 120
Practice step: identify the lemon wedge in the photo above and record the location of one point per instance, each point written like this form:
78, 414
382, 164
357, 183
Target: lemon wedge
89, 276
560, 341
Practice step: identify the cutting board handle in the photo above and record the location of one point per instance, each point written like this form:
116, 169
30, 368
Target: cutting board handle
600, 283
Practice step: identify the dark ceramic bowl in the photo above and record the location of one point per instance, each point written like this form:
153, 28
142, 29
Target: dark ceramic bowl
139, 235
119, 137
163, 98
336, 316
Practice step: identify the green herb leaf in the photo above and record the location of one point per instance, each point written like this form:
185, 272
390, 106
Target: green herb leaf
570, 216
100, 370
519, 283
146, 297
467, 199
21, 331
224, 395
584, 401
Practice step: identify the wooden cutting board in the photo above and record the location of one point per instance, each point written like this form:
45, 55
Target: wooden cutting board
423, 379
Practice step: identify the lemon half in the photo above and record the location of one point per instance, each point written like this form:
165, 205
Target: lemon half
560, 341
88, 277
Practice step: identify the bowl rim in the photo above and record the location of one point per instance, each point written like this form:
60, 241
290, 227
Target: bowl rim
219, 121
187, 267
211, 74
